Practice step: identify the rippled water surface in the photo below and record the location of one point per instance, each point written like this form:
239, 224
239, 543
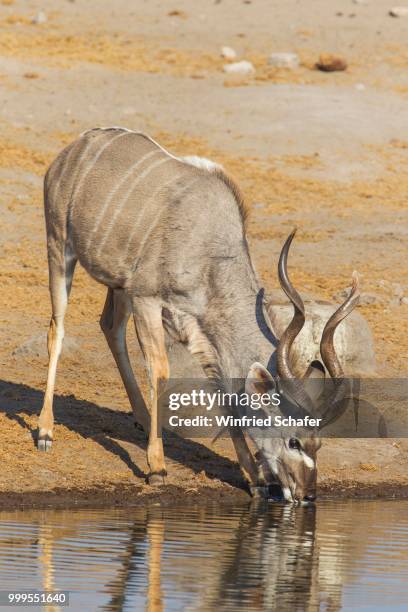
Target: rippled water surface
339, 555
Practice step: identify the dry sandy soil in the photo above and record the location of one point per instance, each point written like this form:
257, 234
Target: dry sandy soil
325, 151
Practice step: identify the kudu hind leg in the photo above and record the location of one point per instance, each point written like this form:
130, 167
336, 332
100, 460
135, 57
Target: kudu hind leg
61, 273
147, 313
115, 316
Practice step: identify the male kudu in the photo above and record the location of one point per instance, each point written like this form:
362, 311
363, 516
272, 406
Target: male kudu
166, 236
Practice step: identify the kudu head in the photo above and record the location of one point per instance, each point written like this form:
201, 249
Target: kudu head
289, 459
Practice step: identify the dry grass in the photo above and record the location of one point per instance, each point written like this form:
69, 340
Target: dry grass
16, 20
13, 155
114, 51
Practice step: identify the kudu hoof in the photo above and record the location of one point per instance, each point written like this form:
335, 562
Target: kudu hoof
44, 442
259, 492
157, 479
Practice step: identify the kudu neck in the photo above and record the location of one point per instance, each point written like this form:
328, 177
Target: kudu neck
236, 318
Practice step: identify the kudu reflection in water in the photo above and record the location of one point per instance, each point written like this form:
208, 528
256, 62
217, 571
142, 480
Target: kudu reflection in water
263, 557
271, 562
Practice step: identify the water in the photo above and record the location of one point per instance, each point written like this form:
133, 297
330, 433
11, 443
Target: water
339, 555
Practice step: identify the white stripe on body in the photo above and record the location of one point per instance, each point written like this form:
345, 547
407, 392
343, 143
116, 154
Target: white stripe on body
119, 208
57, 184
140, 216
112, 193
90, 166
152, 227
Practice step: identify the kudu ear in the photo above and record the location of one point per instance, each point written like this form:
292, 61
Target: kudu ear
259, 380
317, 375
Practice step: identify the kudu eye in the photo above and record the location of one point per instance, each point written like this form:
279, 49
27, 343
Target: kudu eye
295, 444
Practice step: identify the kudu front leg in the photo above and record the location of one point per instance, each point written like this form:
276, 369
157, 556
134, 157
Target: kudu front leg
249, 468
147, 314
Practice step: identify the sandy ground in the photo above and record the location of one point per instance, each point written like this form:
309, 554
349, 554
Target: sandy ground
325, 151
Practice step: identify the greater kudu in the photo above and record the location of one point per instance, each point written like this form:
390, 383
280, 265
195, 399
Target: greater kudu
166, 235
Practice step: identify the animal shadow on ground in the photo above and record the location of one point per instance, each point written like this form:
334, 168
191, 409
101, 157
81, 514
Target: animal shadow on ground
101, 424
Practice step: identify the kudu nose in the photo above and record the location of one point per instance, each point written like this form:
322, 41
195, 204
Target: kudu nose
309, 498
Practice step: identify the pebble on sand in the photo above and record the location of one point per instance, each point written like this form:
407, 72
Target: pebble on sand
331, 63
399, 11
243, 67
36, 346
228, 52
41, 17
284, 60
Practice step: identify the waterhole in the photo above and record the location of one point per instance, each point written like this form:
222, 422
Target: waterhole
337, 555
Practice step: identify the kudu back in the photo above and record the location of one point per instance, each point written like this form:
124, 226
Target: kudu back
166, 236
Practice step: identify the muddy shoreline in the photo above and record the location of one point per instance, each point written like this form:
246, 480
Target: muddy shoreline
130, 496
